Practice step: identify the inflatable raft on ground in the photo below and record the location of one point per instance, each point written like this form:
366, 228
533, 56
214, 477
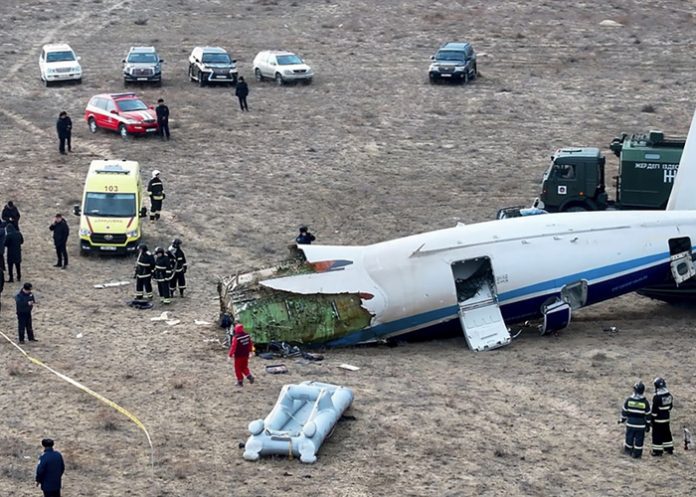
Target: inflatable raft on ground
302, 418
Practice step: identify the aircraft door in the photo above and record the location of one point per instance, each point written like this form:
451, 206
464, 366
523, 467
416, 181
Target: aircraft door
479, 312
681, 260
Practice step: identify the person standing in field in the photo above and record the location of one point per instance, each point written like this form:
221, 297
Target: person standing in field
61, 231
64, 128
242, 92
240, 349
155, 188
49, 472
162, 119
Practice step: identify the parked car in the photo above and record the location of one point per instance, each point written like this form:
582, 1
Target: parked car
122, 112
212, 65
142, 65
455, 62
59, 63
281, 66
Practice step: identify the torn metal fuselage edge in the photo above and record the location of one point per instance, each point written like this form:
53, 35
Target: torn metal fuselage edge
270, 314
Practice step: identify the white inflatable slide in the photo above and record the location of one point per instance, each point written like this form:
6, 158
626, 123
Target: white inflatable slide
302, 418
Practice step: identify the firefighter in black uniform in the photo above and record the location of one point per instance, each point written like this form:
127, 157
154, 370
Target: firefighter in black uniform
144, 266
636, 414
155, 188
662, 405
164, 266
179, 278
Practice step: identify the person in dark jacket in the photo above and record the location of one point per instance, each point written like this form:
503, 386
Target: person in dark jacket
636, 414
162, 119
155, 188
25, 303
661, 407
144, 266
2, 284
10, 214
49, 472
164, 270
3, 234
305, 237
180, 268
13, 242
242, 92
61, 231
64, 128
240, 349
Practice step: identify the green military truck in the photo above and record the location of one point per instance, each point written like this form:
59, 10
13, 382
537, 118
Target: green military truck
648, 164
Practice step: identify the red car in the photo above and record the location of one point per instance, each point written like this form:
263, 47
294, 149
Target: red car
122, 112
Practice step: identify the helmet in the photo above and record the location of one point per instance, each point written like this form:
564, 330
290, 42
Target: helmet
155, 173
159, 250
142, 247
303, 229
660, 383
639, 388
176, 242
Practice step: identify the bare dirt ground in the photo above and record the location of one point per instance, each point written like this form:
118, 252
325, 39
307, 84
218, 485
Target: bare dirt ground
369, 152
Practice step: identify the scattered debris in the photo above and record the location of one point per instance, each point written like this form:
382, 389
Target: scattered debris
140, 304
608, 23
200, 322
162, 317
173, 322
276, 369
112, 284
79, 335
611, 329
349, 367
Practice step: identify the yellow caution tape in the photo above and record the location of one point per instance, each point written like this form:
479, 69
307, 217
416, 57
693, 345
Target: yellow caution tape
88, 390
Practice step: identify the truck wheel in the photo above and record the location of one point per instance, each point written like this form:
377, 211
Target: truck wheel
279, 79
201, 78
465, 79
123, 131
92, 125
190, 73
257, 73
576, 208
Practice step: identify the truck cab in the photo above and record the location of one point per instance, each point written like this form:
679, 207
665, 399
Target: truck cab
111, 208
574, 181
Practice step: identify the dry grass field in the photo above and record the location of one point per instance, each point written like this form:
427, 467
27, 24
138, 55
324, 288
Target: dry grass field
370, 151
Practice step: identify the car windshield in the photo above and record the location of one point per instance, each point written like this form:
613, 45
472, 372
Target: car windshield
287, 60
131, 104
216, 58
110, 204
450, 55
142, 58
65, 56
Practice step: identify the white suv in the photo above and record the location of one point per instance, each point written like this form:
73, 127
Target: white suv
59, 63
281, 66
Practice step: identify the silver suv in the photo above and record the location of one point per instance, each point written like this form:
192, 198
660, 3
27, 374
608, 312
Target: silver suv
142, 65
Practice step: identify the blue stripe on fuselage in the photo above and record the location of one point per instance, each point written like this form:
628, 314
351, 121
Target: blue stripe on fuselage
531, 307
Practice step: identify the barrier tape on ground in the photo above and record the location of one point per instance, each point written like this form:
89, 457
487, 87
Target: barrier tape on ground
88, 390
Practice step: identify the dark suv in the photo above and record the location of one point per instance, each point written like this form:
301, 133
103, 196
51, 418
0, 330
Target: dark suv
455, 62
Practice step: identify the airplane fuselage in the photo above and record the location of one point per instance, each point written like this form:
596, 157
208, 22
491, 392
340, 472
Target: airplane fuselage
531, 259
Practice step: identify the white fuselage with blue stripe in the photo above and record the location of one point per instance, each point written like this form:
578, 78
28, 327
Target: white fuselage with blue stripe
532, 258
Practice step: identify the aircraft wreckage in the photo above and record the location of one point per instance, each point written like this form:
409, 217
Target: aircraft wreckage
488, 275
